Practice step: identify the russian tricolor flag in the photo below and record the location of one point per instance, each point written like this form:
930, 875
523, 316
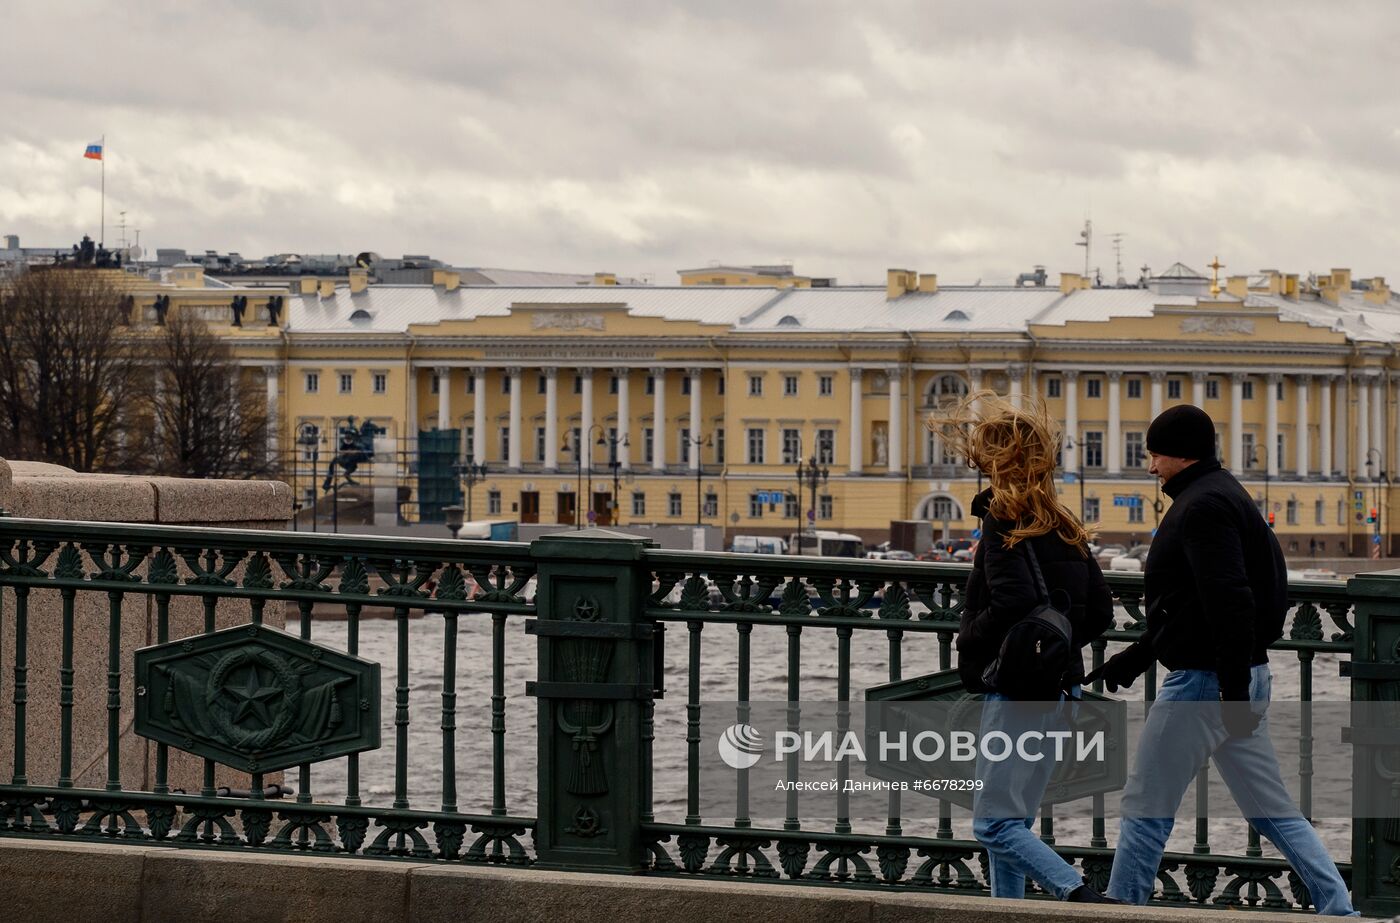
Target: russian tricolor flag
94, 151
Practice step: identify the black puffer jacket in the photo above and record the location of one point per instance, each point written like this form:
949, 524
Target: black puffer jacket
1001, 590
1215, 582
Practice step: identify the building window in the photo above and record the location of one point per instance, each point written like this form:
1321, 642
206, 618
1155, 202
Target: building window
612, 444
1093, 387
789, 385
1173, 389
1341, 512
1320, 512
826, 446
469, 432
1091, 509
942, 509
792, 446
792, 509
1217, 443
1135, 512
493, 502
711, 503
313, 382
685, 384
825, 385
1290, 512
471, 384
1279, 453
539, 443
1247, 446
1052, 387
824, 506
648, 444
651, 384
612, 384
1093, 449
755, 386
639, 503
673, 504
542, 383
755, 507
719, 385
381, 383
505, 442
505, 384
1133, 453
1212, 389
434, 384
578, 384
1278, 388
1134, 388
685, 446
755, 447
312, 432
347, 382
719, 446
1248, 390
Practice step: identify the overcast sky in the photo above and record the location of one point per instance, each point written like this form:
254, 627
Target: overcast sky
967, 139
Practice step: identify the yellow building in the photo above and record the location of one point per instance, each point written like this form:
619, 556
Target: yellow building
1300, 375
779, 275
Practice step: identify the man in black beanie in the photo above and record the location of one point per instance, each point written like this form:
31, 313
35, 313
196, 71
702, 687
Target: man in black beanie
1216, 590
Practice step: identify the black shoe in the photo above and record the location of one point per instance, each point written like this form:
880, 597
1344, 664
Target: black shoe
1087, 895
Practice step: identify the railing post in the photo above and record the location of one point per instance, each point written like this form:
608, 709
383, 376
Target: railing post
594, 684
1375, 677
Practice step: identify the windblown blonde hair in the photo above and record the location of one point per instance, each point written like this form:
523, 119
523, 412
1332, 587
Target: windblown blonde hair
1015, 446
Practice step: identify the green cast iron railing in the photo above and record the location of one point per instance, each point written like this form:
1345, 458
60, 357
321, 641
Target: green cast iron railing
600, 607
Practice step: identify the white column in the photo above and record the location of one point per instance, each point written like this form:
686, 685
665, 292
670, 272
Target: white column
410, 437
1395, 434
1198, 389
1237, 461
513, 446
856, 463
658, 419
1300, 425
585, 422
1155, 394
896, 447
273, 374
1324, 426
1115, 423
624, 419
1377, 425
551, 419
1071, 386
696, 377
479, 415
1016, 373
1363, 426
1340, 429
444, 378
1271, 421
974, 383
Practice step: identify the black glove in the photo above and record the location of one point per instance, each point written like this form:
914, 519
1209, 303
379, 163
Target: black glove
1118, 671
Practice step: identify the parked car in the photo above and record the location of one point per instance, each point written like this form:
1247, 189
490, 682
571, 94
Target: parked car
1107, 553
937, 555
898, 555
1132, 560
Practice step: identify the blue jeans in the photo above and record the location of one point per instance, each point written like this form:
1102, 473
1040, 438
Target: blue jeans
1175, 744
1005, 807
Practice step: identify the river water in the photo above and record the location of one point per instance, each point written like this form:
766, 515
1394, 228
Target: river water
869, 666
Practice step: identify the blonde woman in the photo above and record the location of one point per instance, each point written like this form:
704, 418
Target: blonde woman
1025, 529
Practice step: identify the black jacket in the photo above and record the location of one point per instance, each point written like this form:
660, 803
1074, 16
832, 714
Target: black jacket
1215, 582
1001, 590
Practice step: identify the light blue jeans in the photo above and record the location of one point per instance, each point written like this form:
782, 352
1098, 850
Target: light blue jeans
1175, 744
1005, 808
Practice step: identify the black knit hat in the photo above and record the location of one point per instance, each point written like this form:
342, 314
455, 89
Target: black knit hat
1182, 431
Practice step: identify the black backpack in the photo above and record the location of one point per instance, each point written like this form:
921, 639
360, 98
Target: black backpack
1033, 664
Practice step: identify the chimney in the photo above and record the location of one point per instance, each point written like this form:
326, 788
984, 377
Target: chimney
359, 280
899, 282
187, 275
1289, 286
306, 285
448, 279
327, 288
605, 278
1071, 281
1341, 278
1378, 292
11, 241
1273, 281
928, 282
1238, 286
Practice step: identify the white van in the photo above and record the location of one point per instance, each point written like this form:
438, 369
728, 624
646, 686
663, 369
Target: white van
827, 544
759, 544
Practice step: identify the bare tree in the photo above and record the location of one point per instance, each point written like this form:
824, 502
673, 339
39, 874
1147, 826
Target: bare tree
207, 419
67, 375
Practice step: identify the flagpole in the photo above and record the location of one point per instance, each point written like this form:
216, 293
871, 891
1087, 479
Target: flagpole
102, 232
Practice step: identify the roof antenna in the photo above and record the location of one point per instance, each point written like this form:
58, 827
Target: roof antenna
1118, 257
1086, 240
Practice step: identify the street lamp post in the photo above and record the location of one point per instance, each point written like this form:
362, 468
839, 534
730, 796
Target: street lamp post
1254, 457
310, 438
811, 477
696, 443
612, 442
1376, 479
470, 474
453, 517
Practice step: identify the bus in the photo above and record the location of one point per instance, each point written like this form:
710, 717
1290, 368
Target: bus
827, 544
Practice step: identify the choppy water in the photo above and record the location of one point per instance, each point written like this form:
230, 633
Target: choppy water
718, 678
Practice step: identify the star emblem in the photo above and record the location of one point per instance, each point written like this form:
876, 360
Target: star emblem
253, 698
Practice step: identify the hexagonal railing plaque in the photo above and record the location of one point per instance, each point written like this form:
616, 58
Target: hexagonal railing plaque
257, 699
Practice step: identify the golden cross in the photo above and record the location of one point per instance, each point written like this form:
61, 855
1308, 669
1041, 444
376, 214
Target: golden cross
1215, 268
